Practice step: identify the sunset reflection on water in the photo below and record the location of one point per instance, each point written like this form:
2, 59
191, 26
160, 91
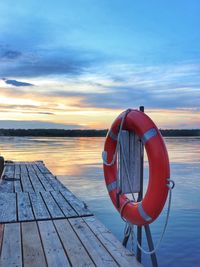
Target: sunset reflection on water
78, 164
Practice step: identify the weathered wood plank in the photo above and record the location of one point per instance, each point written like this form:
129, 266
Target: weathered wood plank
77, 204
38, 187
135, 160
35, 168
23, 168
8, 171
6, 185
42, 167
11, 254
96, 250
63, 204
76, 252
39, 207
130, 157
17, 185
33, 255
26, 184
24, 208
30, 168
42, 178
53, 248
123, 256
52, 206
124, 153
47, 185
55, 183
8, 207
17, 169
17, 180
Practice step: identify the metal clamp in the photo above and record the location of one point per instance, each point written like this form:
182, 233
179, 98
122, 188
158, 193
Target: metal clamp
171, 184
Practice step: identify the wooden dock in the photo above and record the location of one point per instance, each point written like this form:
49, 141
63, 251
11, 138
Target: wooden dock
43, 224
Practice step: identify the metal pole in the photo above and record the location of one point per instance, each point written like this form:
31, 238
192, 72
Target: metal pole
140, 196
146, 227
1, 165
151, 246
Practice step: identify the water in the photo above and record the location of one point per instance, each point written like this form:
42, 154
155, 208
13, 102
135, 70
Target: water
77, 162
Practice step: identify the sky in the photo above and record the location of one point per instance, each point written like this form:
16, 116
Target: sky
77, 64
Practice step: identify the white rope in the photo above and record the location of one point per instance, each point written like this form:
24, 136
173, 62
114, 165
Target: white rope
164, 228
127, 172
118, 142
122, 149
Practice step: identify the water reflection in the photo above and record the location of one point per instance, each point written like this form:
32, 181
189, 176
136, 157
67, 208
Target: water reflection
77, 162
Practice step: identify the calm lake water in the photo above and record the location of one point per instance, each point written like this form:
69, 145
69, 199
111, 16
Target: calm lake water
77, 162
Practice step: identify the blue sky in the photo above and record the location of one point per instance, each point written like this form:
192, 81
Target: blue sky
79, 63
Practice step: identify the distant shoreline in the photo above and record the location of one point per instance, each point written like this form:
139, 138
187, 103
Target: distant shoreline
86, 133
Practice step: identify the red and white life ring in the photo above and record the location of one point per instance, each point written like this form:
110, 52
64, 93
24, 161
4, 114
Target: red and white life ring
146, 211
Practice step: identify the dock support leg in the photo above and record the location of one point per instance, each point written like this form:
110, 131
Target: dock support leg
139, 239
1, 165
151, 246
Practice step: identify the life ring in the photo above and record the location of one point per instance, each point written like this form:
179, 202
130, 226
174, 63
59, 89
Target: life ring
146, 211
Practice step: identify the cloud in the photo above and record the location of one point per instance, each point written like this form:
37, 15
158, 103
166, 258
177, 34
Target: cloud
17, 83
45, 62
162, 86
10, 54
167, 87
118, 86
21, 124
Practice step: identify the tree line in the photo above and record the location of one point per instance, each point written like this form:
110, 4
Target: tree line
86, 133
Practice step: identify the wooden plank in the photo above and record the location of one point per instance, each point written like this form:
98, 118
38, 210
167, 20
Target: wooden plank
94, 247
130, 157
64, 205
76, 252
23, 168
38, 187
17, 181
8, 171
42, 179
11, 254
77, 204
8, 207
135, 159
24, 208
52, 206
26, 184
17, 169
39, 207
17, 186
124, 156
123, 256
33, 254
55, 183
30, 168
53, 248
45, 182
42, 167
6, 185
9, 167
36, 169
